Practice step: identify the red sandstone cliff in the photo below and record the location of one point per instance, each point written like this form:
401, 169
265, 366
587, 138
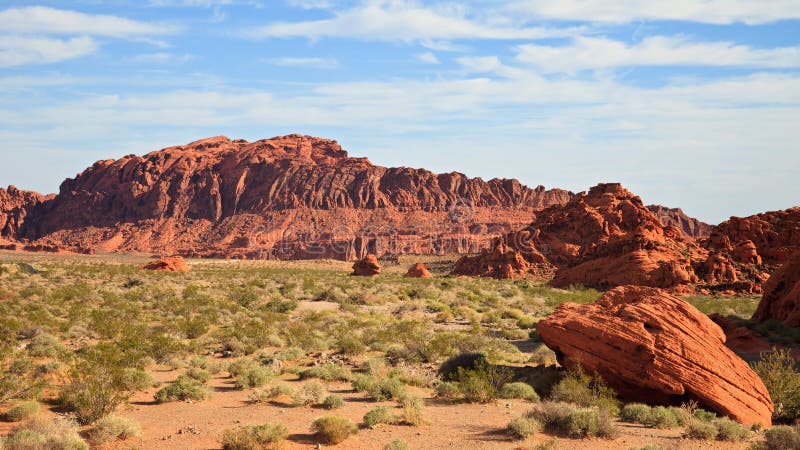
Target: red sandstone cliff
675, 217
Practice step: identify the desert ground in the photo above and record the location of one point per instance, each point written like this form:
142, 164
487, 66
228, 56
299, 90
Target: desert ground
269, 342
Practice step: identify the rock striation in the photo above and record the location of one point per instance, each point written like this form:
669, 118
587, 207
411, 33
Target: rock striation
781, 300
653, 347
289, 197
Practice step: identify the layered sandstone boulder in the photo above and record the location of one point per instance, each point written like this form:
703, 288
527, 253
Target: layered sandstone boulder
168, 264
367, 267
503, 262
774, 235
781, 300
418, 270
656, 348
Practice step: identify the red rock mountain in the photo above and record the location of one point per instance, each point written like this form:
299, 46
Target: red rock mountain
287, 197
781, 299
675, 217
773, 236
14, 207
653, 347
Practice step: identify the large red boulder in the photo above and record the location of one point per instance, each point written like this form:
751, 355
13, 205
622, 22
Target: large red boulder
367, 267
168, 264
653, 347
781, 299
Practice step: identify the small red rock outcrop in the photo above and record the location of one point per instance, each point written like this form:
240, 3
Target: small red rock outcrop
503, 262
367, 267
418, 270
653, 347
15, 205
168, 264
781, 299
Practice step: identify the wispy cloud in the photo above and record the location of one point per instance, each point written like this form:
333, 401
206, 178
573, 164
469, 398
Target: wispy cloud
316, 62
19, 50
428, 58
43, 20
704, 11
160, 58
401, 21
601, 53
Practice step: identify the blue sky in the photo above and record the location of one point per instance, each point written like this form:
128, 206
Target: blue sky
690, 103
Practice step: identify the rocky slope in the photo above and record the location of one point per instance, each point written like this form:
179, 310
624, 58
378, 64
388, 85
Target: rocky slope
675, 217
781, 299
773, 236
14, 207
650, 346
286, 197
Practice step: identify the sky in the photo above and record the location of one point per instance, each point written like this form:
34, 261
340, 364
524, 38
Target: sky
688, 103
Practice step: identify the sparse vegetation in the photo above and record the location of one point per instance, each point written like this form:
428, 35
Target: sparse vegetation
21, 411
183, 388
333, 430
781, 376
254, 437
111, 428
42, 433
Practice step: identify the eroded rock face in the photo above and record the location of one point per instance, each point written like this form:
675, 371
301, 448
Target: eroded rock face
367, 267
781, 299
15, 205
168, 264
418, 270
675, 217
504, 262
775, 235
290, 197
653, 347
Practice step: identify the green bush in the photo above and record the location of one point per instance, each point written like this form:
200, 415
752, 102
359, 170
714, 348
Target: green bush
21, 411
563, 418
42, 433
254, 437
634, 412
731, 431
483, 383
253, 377
327, 372
386, 389
448, 390
697, 429
333, 401
111, 428
779, 373
182, 389
93, 391
782, 437
45, 346
18, 379
333, 430
412, 410
585, 391
663, 418
381, 415
199, 374
705, 416
519, 390
523, 427
134, 379
310, 393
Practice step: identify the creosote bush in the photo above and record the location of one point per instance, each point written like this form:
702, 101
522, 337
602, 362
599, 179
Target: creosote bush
333, 430
333, 401
254, 437
21, 411
111, 428
780, 374
781, 437
382, 415
41, 433
183, 388
566, 419
523, 427
397, 444
519, 390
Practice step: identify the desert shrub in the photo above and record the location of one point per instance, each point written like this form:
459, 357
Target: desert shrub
333, 430
254, 376
449, 370
519, 390
397, 444
42, 433
483, 383
333, 401
134, 379
412, 410
238, 367
705, 416
326, 372
361, 383
381, 415
45, 346
111, 428
310, 393
448, 390
661, 417
779, 373
782, 437
731, 431
254, 437
523, 427
386, 389
199, 374
21, 411
526, 323
563, 418
697, 429
183, 388
586, 391
647, 447
543, 356
18, 379
95, 389
634, 412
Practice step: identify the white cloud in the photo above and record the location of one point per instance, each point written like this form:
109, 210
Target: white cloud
428, 58
43, 20
600, 53
310, 4
401, 21
19, 50
195, 3
160, 58
704, 11
315, 62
